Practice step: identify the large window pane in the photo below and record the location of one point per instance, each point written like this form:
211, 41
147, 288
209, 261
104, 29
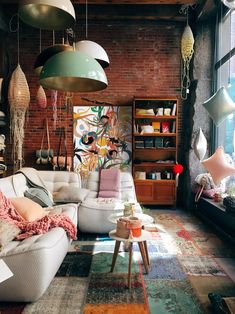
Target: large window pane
226, 78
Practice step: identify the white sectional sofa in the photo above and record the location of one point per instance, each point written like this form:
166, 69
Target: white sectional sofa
35, 260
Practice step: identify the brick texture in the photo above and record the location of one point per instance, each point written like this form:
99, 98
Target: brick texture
145, 61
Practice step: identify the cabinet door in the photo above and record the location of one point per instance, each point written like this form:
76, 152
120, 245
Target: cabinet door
164, 192
144, 191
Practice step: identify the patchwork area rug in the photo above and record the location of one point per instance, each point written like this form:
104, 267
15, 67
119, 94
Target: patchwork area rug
184, 268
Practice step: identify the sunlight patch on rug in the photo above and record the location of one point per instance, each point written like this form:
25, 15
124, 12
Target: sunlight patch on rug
64, 295
204, 285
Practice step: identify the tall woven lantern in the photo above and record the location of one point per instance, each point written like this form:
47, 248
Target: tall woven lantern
18, 98
187, 43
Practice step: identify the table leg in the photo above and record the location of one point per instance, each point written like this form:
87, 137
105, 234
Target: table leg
144, 258
129, 267
116, 250
146, 252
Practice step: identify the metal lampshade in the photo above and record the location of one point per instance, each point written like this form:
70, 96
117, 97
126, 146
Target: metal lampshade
47, 54
47, 14
73, 71
94, 50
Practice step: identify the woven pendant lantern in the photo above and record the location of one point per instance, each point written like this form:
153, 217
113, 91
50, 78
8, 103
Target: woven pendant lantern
18, 98
187, 43
41, 98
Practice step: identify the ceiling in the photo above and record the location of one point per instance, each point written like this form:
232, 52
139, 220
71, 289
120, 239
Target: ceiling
139, 9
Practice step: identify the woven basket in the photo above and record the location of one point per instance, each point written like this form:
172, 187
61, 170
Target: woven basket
41, 98
122, 231
128, 227
18, 91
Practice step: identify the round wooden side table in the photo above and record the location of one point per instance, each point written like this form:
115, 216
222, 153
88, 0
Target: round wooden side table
142, 243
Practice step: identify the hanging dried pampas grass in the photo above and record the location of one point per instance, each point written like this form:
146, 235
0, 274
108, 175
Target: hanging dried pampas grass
18, 98
41, 98
187, 43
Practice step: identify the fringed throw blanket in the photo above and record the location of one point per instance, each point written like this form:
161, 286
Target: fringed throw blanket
40, 226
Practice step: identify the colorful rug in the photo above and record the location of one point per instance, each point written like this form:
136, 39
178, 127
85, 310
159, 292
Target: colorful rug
184, 267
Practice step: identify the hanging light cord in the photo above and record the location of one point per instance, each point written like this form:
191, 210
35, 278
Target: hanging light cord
18, 40
86, 20
40, 40
16, 29
230, 47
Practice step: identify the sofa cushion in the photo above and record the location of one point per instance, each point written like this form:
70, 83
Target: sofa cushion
27, 208
109, 183
70, 194
39, 196
8, 232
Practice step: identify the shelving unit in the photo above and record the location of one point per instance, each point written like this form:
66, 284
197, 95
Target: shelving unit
155, 152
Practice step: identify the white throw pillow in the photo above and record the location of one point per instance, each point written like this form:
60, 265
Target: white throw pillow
70, 194
8, 231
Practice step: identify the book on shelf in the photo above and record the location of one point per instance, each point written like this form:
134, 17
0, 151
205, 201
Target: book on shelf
173, 112
156, 126
165, 127
167, 111
173, 129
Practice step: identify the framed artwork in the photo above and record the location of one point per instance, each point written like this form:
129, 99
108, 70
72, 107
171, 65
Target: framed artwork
102, 138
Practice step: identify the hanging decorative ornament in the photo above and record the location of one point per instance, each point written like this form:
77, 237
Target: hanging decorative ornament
200, 145
229, 3
219, 106
54, 94
218, 166
177, 170
41, 98
187, 43
19, 98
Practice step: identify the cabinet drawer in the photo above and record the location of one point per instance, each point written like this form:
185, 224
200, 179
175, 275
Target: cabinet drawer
164, 192
144, 191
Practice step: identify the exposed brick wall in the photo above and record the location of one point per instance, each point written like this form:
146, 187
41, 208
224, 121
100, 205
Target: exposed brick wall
144, 61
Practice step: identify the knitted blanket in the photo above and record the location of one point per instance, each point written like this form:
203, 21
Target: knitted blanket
40, 226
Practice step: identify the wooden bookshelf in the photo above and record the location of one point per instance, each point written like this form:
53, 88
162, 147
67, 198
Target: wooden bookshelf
155, 152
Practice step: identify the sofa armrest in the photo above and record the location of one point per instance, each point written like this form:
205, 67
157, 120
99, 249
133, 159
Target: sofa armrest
54, 180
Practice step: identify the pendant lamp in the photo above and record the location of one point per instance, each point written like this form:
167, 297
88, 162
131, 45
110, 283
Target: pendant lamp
47, 14
47, 54
73, 71
94, 50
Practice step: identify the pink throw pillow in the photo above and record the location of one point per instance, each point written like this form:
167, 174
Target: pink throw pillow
28, 209
109, 183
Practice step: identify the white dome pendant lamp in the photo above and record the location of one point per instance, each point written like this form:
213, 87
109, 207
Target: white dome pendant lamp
92, 48
47, 14
73, 71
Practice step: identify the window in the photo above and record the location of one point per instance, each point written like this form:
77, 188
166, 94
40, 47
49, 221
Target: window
225, 68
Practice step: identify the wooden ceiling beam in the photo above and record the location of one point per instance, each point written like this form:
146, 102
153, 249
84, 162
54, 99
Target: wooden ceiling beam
130, 2
119, 12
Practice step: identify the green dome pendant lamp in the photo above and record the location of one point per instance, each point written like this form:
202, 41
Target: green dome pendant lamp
73, 71
47, 14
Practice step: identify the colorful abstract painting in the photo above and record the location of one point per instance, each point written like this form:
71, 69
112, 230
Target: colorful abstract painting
102, 138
